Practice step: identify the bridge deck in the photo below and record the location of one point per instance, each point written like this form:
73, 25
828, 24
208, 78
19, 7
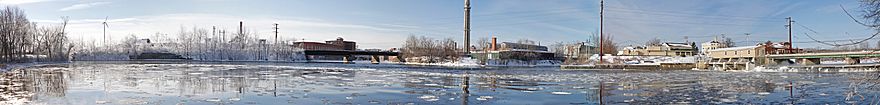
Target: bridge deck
826, 55
332, 52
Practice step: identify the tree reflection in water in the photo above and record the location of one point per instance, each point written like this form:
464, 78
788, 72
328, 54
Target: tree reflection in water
20, 86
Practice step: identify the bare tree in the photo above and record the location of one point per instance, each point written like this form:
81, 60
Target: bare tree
559, 48
483, 43
449, 49
871, 12
607, 47
14, 29
428, 50
130, 44
655, 41
23, 41
525, 41
864, 46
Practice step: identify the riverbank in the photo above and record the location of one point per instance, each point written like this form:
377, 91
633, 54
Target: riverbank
13, 66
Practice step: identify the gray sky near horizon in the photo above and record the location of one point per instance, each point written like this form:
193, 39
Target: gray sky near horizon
387, 23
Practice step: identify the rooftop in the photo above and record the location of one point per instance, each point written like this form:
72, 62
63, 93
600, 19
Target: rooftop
736, 48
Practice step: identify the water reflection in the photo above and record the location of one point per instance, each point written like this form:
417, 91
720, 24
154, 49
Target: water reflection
89, 83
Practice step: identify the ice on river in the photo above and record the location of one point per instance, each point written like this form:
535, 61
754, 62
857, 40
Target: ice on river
310, 84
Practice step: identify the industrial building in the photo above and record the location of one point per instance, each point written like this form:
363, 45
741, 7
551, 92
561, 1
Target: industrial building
335, 45
664, 49
510, 50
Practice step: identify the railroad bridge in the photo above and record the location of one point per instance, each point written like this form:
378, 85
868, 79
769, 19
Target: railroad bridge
347, 54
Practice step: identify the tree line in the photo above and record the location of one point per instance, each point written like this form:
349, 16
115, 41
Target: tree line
429, 50
24, 41
199, 43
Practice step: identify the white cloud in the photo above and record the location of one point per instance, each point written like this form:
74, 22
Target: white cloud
82, 6
20, 2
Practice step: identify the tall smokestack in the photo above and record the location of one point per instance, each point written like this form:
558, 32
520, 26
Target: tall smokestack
240, 27
467, 27
494, 43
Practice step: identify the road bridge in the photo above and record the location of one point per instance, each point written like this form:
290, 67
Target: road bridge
347, 54
852, 57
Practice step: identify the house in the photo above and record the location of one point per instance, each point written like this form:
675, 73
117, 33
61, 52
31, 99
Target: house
664, 49
711, 45
579, 50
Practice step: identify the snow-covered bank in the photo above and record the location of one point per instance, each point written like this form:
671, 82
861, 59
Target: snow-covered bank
464, 62
521, 63
13, 66
470, 62
645, 59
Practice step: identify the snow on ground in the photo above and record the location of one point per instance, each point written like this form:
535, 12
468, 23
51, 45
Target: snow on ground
645, 60
11, 66
463, 62
523, 63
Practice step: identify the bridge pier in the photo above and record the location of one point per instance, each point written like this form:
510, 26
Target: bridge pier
400, 58
346, 59
809, 61
779, 62
375, 59
771, 61
851, 61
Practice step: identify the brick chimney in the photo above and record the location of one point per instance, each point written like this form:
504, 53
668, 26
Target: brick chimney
494, 43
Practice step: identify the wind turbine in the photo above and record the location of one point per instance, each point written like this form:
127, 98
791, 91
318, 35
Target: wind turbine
105, 29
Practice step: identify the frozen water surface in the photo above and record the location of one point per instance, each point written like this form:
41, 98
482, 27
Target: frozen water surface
200, 83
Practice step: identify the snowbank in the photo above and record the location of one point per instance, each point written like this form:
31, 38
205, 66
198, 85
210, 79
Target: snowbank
463, 62
523, 63
12, 66
643, 60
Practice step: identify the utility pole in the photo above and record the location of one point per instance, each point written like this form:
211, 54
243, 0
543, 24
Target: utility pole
276, 33
601, 30
789, 26
467, 27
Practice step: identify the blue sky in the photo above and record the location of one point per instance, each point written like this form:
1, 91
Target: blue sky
386, 23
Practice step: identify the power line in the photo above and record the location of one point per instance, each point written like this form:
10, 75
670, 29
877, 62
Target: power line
835, 44
683, 14
836, 40
683, 22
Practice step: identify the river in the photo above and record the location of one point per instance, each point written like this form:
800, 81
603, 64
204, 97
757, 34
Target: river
204, 83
